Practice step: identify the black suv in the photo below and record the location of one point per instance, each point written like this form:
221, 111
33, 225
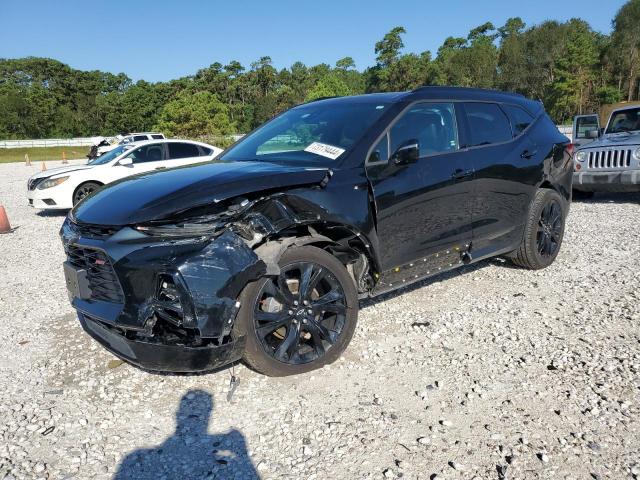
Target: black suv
264, 253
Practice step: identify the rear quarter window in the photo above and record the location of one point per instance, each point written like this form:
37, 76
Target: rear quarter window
488, 124
157, 136
183, 150
520, 119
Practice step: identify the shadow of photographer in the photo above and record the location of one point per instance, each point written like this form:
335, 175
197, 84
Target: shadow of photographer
191, 452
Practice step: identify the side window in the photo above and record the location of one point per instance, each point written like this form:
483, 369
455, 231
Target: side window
586, 123
148, 153
520, 119
432, 125
380, 152
140, 138
205, 152
157, 136
487, 124
183, 150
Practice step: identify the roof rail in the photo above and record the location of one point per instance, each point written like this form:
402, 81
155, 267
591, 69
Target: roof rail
469, 89
321, 98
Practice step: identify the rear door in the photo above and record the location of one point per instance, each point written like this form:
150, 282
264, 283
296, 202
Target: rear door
422, 207
582, 124
503, 160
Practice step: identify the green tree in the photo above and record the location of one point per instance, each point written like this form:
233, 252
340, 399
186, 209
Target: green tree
329, 86
626, 45
196, 114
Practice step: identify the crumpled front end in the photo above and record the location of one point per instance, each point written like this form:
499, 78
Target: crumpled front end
162, 304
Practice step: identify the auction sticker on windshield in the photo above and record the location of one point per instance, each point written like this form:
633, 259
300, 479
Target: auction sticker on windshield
325, 150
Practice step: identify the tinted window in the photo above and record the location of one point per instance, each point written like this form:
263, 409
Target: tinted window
183, 150
433, 125
140, 138
148, 153
487, 124
380, 152
520, 119
205, 151
157, 136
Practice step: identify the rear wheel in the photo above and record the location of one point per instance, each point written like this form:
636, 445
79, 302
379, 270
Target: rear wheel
544, 231
84, 190
303, 318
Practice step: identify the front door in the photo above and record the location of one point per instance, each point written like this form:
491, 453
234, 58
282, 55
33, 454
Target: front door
422, 202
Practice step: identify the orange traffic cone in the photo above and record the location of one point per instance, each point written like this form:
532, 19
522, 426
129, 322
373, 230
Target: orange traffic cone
64, 157
43, 167
5, 226
26, 160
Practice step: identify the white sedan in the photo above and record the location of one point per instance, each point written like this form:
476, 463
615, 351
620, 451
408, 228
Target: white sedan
61, 188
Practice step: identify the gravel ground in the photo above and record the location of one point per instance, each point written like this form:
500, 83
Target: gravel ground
491, 372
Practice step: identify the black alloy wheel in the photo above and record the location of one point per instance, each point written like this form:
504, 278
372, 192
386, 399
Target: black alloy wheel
301, 319
84, 190
300, 313
550, 228
543, 231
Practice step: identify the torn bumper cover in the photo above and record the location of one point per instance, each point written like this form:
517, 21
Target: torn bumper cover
181, 295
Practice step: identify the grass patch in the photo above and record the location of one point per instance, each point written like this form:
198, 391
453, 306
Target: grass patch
41, 154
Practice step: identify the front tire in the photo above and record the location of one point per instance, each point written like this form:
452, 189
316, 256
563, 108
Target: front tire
543, 231
303, 318
84, 190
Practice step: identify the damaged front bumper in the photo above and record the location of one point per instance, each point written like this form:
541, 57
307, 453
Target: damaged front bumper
161, 304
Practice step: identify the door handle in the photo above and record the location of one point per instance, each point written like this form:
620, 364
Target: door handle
528, 154
459, 173
160, 168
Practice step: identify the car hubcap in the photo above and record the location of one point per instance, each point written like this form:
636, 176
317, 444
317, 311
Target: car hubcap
300, 314
549, 229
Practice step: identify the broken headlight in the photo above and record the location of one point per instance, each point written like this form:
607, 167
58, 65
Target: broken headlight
202, 225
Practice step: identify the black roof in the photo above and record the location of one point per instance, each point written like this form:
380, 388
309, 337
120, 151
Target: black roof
440, 93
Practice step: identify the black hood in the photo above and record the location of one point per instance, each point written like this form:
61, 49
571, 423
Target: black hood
157, 195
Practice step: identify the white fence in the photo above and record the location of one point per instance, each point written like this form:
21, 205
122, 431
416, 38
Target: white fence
567, 131
48, 142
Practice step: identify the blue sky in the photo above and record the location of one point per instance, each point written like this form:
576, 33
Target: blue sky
161, 40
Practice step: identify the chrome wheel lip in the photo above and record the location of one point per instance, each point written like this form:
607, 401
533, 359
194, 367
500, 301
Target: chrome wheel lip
310, 319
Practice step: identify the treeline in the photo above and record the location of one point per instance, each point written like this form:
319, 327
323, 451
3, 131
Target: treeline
569, 66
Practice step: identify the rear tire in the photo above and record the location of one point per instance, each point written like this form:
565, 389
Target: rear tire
300, 320
543, 231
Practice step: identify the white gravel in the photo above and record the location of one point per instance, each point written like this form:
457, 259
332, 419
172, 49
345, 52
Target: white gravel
494, 373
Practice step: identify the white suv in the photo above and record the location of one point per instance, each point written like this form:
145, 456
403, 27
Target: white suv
61, 188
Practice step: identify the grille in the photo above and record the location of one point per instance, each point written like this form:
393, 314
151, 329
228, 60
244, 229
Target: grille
93, 231
100, 274
610, 159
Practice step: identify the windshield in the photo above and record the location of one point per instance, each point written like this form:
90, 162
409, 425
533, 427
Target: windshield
624, 121
314, 133
110, 155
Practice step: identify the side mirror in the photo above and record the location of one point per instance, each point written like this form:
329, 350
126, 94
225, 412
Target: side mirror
592, 134
126, 162
407, 153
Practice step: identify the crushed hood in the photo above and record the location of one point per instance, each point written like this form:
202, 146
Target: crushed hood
614, 140
59, 170
154, 196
